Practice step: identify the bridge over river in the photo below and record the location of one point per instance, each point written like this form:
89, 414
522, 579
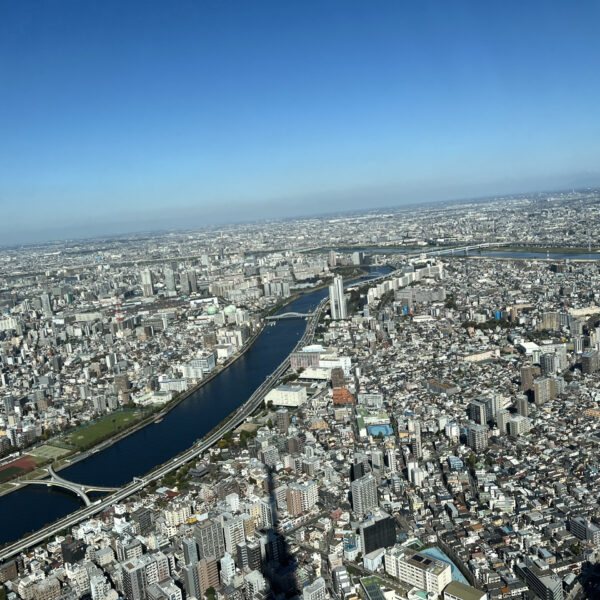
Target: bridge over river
289, 315
77, 488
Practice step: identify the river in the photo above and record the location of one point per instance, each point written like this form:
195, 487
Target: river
477, 253
32, 507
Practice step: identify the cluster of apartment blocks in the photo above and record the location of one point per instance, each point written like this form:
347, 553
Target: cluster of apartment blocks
520, 520
70, 336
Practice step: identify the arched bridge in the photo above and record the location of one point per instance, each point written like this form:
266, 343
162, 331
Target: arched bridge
77, 488
289, 315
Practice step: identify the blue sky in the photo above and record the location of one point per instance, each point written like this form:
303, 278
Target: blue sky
117, 116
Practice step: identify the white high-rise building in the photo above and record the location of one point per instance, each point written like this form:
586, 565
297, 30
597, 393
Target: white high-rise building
337, 300
227, 569
310, 495
233, 530
364, 494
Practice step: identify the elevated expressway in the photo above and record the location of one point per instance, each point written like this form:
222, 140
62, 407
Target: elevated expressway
139, 483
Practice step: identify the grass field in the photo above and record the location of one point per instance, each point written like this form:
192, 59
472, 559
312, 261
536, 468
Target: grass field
49, 452
103, 429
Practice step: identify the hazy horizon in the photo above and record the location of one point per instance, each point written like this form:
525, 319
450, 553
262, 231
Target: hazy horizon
133, 227
130, 116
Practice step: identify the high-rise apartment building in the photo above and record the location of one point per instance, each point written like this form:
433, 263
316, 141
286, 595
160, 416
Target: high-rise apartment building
210, 540
364, 494
293, 499
477, 437
337, 300
208, 574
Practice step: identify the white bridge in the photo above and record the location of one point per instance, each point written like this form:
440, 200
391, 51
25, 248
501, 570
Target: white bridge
77, 488
462, 249
289, 315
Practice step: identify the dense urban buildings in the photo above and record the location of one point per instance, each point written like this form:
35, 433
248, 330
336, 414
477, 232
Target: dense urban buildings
438, 435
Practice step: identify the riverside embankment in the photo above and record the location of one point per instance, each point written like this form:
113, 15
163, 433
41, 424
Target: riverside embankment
30, 508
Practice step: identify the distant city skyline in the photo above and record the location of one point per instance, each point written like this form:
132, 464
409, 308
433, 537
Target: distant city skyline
121, 117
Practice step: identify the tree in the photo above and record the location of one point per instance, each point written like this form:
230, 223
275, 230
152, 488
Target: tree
210, 593
575, 549
472, 461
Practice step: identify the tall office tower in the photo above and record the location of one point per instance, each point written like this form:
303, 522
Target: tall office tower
364, 494
578, 344
191, 275
208, 574
522, 403
209, 537
46, 304
590, 362
170, 279
9, 404
267, 512
147, 283
332, 258
477, 437
377, 531
337, 300
310, 494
